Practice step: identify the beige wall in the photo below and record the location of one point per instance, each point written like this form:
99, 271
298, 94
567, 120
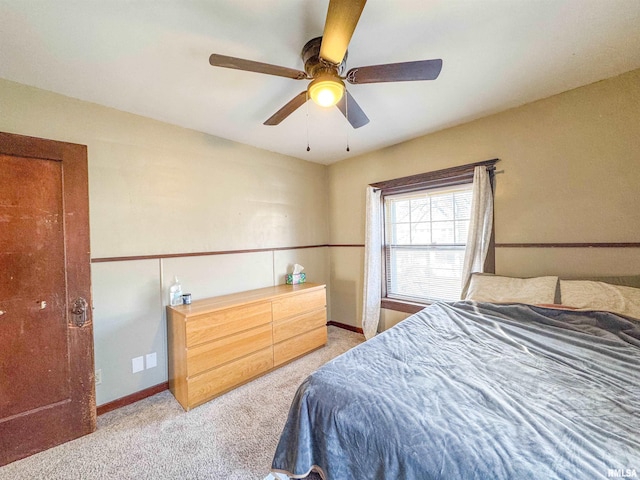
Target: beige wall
571, 171
158, 189
571, 168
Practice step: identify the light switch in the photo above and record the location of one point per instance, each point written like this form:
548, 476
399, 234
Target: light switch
137, 364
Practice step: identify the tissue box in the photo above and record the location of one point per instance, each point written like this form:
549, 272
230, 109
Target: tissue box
296, 278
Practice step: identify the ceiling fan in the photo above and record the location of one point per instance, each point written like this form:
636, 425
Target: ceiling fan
324, 62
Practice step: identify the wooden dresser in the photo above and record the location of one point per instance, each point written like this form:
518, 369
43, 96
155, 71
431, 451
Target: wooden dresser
219, 343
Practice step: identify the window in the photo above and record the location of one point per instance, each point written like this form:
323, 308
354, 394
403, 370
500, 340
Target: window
425, 240
425, 226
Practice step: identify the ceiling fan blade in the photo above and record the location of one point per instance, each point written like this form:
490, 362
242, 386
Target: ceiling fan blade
352, 111
396, 72
342, 18
258, 67
288, 109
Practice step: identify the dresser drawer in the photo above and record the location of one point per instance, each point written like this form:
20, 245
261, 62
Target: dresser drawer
213, 354
219, 343
215, 325
284, 329
296, 304
297, 346
214, 382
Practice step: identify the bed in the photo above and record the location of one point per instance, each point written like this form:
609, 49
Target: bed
475, 389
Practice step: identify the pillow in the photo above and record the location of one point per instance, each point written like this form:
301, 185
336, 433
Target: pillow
625, 280
498, 289
601, 296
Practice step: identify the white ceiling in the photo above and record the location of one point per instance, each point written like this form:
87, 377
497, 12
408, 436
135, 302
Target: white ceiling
151, 58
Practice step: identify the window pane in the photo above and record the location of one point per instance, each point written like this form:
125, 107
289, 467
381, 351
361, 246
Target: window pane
420, 233
462, 230
402, 234
420, 210
443, 232
462, 202
442, 207
402, 211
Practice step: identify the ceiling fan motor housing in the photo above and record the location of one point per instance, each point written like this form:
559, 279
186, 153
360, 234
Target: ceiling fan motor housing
316, 66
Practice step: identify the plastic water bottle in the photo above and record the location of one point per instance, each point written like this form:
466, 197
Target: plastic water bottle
175, 293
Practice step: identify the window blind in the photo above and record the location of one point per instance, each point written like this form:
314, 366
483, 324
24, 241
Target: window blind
425, 240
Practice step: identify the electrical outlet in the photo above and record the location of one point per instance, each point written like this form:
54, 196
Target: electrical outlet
137, 364
98, 376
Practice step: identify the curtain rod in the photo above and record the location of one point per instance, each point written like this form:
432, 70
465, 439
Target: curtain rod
442, 174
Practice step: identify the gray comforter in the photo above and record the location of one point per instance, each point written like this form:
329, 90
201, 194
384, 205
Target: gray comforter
474, 391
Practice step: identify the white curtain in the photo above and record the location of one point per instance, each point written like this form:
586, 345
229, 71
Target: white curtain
480, 225
372, 264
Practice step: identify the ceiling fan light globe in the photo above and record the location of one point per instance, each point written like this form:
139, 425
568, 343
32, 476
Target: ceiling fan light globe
325, 97
326, 92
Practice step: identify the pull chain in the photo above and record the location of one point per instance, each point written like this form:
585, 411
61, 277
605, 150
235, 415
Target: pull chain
307, 110
346, 109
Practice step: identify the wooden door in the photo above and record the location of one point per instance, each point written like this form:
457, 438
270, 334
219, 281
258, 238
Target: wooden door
47, 392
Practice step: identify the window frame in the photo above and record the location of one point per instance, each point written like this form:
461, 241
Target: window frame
448, 177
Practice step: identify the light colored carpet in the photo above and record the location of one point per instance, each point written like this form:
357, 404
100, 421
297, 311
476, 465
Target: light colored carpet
232, 437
